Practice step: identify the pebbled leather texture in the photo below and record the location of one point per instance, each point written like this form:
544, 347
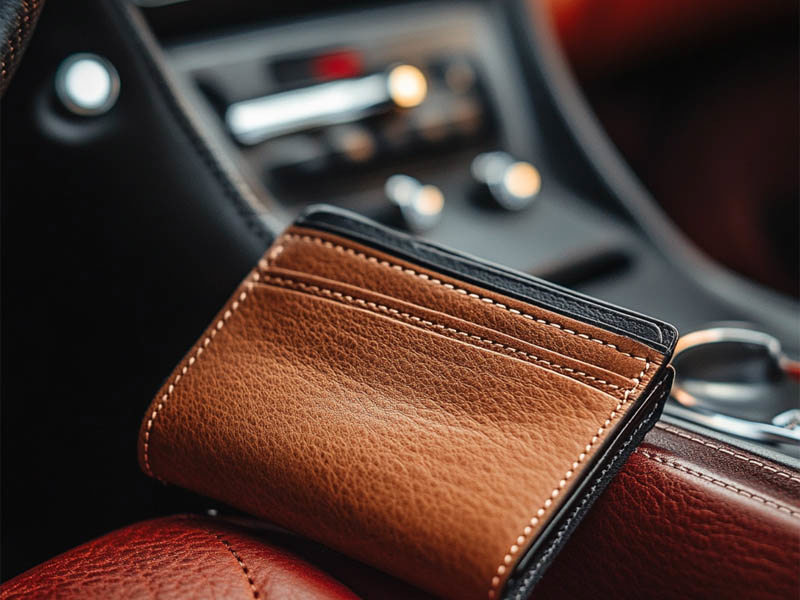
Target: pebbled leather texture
17, 22
661, 336
687, 517
410, 420
176, 558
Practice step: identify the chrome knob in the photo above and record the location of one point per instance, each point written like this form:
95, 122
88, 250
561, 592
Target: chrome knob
419, 206
87, 84
513, 184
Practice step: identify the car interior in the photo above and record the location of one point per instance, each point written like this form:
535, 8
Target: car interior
609, 153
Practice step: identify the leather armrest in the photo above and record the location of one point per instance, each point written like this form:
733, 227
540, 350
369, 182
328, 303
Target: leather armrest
687, 517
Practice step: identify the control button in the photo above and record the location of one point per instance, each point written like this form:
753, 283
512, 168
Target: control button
418, 206
407, 86
87, 84
512, 183
354, 143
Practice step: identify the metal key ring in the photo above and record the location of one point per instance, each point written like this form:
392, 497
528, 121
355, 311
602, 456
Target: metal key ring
784, 427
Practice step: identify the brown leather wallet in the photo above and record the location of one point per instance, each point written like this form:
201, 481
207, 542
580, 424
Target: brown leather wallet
441, 418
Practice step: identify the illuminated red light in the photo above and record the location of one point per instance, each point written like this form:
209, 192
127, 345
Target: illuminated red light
337, 65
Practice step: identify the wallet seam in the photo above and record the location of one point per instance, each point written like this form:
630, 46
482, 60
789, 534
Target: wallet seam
393, 313
279, 248
528, 529
165, 397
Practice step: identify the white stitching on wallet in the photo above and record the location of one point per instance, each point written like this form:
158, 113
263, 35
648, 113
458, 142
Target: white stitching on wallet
211, 334
449, 286
319, 291
520, 541
273, 254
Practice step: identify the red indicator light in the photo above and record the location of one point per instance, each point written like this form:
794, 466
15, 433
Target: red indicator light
337, 65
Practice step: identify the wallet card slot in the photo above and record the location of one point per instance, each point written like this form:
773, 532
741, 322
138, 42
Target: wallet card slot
340, 260
658, 335
449, 326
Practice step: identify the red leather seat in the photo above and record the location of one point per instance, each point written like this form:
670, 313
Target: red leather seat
174, 558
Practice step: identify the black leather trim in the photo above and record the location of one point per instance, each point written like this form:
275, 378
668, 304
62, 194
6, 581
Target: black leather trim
17, 21
656, 334
532, 567
131, 19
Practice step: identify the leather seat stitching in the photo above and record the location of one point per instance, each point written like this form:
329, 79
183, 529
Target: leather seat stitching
245, 570
719, 482
448, 286
374, 307
727, 452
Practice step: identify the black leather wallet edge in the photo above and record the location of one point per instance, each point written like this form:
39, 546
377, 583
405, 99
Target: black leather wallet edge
656, 334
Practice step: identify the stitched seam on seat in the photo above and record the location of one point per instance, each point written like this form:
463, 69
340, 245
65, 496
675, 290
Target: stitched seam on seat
445, 330
727, 452
719, 482
231, 185
8, 59
245, 570
425, 277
